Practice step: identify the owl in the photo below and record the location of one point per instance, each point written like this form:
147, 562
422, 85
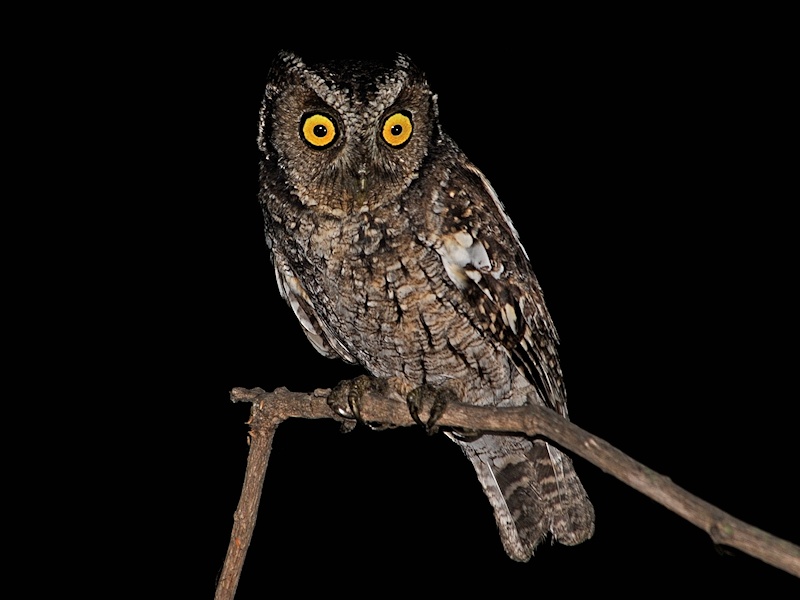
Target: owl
394, 252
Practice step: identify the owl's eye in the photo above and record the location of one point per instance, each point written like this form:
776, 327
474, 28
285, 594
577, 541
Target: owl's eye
318, 130
397, 129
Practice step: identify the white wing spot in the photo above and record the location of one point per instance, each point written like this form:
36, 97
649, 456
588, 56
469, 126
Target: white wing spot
463, 257
510, 317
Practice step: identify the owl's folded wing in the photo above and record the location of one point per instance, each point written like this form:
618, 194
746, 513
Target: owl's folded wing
499, 282
316, 331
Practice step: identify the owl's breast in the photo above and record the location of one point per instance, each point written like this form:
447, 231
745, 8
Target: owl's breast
384, 294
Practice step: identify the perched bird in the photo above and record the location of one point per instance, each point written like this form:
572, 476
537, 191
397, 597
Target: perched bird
394, 252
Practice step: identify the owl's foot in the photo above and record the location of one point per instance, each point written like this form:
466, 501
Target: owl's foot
435, 397
345, 399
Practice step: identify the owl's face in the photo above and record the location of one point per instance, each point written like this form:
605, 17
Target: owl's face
345, 135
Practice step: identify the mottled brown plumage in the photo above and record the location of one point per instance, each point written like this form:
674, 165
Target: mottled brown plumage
394, 252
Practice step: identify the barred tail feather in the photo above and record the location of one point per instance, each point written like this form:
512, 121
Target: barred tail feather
534, 491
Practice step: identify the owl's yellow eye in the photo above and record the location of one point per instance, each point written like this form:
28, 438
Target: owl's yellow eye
397, 129
318, 130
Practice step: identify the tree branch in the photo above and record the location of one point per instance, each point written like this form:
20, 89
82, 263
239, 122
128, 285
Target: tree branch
262, 430
270, 409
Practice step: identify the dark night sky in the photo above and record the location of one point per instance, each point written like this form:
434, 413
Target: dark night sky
641, 173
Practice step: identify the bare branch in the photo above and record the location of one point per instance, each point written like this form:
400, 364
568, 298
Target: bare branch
262, 430
269, 409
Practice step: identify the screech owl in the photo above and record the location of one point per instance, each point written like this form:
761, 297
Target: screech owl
394, 251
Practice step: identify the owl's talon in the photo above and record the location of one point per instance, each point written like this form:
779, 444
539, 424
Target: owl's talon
337, 400
438, 398
414, 399
465, 435
345, 400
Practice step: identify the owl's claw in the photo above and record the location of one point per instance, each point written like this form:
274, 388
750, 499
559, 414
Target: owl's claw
345, 400
436, 397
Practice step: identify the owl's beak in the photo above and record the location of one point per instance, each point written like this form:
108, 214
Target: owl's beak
362, 179
361, 186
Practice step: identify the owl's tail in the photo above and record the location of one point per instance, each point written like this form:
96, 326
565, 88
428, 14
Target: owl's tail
533, 489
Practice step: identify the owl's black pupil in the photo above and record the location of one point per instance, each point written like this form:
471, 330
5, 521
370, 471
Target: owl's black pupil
320, 130
397, 129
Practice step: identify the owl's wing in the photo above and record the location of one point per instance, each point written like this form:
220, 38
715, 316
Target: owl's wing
296, 296
483, 256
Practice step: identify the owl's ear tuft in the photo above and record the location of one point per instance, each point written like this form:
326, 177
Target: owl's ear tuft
403, 61
290, 59
284, 67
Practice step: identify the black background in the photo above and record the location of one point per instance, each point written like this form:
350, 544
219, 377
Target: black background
642, 162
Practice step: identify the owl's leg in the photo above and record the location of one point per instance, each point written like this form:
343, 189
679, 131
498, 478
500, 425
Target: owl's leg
345, 399
435, 397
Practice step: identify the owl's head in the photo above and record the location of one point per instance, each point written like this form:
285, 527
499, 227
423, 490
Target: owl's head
346, 133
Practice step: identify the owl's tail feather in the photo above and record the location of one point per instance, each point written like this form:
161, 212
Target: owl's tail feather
533, 489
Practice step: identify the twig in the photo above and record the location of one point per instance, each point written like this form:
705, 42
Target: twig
269, 409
